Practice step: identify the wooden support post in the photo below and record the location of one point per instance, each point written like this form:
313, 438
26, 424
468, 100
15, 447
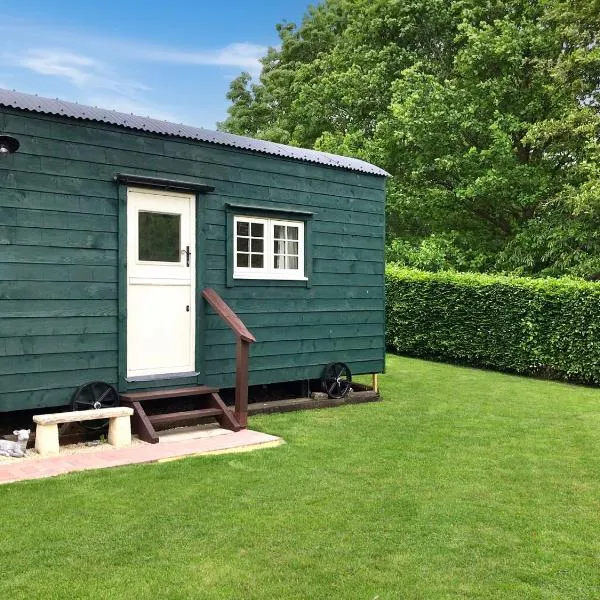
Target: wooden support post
376, 382
241, 382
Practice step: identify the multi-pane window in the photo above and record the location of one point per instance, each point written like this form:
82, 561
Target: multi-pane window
268, 248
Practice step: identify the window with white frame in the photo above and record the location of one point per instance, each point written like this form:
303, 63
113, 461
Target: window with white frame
268, 248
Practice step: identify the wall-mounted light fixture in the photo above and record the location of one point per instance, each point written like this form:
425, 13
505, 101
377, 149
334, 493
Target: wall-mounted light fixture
8, 145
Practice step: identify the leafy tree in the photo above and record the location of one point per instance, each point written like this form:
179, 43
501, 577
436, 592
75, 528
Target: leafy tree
486, 112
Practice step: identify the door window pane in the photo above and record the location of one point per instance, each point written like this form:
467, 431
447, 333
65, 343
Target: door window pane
159, 237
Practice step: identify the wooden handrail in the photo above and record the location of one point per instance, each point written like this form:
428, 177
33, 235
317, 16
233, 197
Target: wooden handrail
244, 339
225, 312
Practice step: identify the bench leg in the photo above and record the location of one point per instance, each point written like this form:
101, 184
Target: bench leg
119, 431
46, 439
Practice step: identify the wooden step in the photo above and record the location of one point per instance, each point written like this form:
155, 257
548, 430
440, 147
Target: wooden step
186, 414
167, 393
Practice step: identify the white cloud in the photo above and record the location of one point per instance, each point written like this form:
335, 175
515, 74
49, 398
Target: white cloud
80, 70
131, 106
241, 55
106, 71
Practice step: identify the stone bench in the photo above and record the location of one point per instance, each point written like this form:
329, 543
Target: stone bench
119, 426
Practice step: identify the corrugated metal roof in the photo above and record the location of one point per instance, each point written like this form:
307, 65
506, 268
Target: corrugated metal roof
72, 110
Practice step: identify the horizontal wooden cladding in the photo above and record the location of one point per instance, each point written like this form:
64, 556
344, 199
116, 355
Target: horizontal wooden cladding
58, 308
270, 305
64, 273
25, 198
59, 363
216, 278
111, 142
324, 318
57, 326
320, 265
40, 398
292, 361
97, 170
322, 292
275, 374
277, 350
59, 238
345, 252
265, 334
55, 379
61, 256
70, 181
58, 344
326, 229
57, 290
60, 220
336, 213
217, 239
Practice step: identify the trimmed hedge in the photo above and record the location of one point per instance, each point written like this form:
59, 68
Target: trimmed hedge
544, 327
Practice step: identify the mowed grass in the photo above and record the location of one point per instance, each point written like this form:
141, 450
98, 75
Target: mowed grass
461, 483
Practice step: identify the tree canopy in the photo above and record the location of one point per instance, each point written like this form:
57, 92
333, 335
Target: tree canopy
486, 113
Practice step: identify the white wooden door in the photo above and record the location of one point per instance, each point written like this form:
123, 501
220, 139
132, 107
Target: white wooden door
160, 283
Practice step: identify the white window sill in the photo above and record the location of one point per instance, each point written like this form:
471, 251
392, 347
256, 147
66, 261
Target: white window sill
270, 276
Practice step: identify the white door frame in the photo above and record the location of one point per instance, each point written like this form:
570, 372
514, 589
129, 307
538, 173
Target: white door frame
167, 274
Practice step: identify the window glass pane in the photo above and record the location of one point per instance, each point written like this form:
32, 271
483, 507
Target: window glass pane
256, 261
257, 245
279, 262
243, 228
292, 262
257, 229
292, 248
292, 233
279, 232
278, 247
242, 259
159, 237
242, 244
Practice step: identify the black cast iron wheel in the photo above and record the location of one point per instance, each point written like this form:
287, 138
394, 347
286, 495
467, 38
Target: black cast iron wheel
95, 395
336, 380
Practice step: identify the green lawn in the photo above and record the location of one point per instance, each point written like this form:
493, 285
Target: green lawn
460, 484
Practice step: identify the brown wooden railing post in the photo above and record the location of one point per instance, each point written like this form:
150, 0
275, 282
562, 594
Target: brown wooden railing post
244, 339
241, 382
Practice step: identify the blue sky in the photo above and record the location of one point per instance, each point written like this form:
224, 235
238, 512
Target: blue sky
171, 60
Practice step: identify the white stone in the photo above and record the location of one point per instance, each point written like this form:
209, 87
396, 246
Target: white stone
119, 431
83, 415
46, 439
119, 426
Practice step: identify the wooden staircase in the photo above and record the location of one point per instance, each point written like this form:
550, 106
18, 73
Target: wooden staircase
143, 423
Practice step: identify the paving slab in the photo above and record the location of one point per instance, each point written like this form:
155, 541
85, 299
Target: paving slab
105, 456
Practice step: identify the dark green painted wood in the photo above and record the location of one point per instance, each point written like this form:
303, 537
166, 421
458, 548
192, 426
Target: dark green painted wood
306, 332
60, 238
291, 361
63, 260
301, 372
122, 287
56, 326
42, 398
315, 347
112, 140
43, 363
57, 290
58, 344
45, 272
57, 308
64, 378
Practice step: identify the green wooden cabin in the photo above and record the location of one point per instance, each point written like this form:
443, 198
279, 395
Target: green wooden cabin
112, 225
